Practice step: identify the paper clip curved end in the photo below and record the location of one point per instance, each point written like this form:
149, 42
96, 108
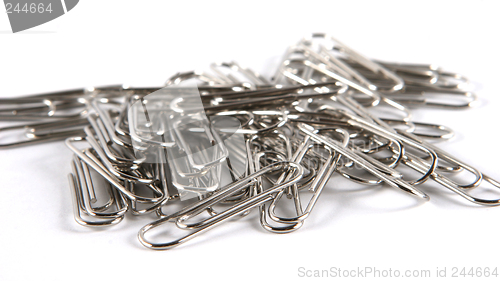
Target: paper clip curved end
141, 235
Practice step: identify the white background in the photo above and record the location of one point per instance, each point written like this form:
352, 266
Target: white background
145, 42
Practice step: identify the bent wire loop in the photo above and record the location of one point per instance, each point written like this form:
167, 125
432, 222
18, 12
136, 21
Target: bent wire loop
83, 191
316, 186
223, 216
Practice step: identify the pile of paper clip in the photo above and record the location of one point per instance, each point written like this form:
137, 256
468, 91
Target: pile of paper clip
224, 142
